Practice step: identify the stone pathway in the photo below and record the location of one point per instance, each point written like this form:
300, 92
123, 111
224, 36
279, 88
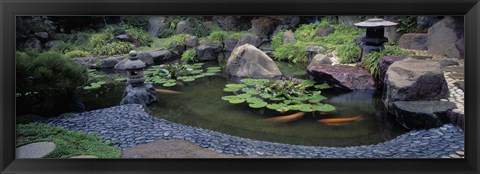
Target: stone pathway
35, 150
130, 125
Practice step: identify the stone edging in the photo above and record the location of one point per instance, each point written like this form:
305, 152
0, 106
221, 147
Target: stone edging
130, 125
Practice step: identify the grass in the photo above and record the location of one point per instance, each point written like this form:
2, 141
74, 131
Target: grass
68, 143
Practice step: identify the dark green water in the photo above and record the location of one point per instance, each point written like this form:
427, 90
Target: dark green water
200, 105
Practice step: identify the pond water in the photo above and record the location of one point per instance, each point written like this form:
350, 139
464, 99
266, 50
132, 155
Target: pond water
200, 105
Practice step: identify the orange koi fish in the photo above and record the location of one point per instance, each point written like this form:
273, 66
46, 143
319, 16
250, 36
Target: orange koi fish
336, 121
166, 91
287, 118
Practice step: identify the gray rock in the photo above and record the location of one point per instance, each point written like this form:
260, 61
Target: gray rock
183, 27
427, 21
191, 41
143, 95
349, 20
391, 32
324, 31
444, 63
146, 57
414, 80
264, 26
414, 41
312, 50
460, 84
227, 22
384, 63
457, 119
128, 38
41, 35
160, 56
35, 150
342, 76
249, 39
290, 21
52, 44
288, 37
208, 52
249, 61
320, 59
33, 43
156, 24
110, 62
422, 114
230, 44
446, 37
89, 62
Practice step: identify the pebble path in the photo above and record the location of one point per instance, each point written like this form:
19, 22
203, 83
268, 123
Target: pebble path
130, 125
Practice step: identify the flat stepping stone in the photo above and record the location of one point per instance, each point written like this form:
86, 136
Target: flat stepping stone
457, 76
460, 84
84, 156
459, 69
35, 150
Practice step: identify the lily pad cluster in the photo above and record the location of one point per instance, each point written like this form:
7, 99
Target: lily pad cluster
281, 95
97, 79
168, 75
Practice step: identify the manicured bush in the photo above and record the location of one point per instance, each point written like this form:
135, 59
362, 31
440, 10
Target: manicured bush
48, 73
113, 48
371, 61
77, 53
348, 53
67, 143
190, 55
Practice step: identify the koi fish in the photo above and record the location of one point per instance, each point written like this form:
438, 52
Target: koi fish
287, 118
337, 121
166, 91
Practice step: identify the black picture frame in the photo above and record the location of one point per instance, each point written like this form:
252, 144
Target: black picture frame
10, 8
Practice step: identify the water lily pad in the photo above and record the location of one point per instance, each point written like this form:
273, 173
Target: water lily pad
252, 92
254, 100
322, 86
101, 82
234, 85
236, 100
169, 84
277, 98
196, 72
323, 107
198, 64
275, 106
121, 79
199, 76
258, 105
316, 98
188, 79
231, 89
245, 96
307, 83
265, 95
229, 97
209, 74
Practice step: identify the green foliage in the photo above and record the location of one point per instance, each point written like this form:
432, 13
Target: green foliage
166, 32
136, 21
408, 24
178, 39
280, 95
79, 38
218, 36
190, 55
113, 48
48, 73
291, 52
371, 61
277, 40
171, 74
348, 53
64, 48
97, 79
67, 143
100, 39
77, 53
141, 35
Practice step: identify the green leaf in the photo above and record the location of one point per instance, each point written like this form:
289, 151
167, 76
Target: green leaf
231, 89
322, 86
258, 105
254, 100
234, 85
237, 100
169, 84
307, 83
323, 107
209, 74
188, 79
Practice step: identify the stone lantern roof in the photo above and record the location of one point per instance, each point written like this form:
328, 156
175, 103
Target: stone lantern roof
134, 62
375, 22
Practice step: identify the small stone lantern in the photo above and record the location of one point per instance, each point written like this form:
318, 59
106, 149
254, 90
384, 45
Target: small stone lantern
374, 39
134, 68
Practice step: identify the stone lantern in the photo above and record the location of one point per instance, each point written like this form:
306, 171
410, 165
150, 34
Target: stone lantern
134, 67
136, 91
374, 39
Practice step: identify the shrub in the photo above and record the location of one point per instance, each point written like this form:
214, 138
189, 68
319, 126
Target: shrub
48, 73
142, 36
348, 53
218, 36
371, 61
189, 55
292, 52
113, 48
77, 53
64, 48
68, 143
100, 39
277, 40
178, 39
136, 21
79, 38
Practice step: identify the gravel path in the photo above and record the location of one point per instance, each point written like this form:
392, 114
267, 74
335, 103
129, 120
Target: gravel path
130, 125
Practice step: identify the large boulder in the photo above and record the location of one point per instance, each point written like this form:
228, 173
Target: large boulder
264, 26
143, 95
249, 61
422, 114
342, 76
110, 62
183, 27
156, 24
227, 22
249, 39
320, 59
191, 41
288, 37
414, 80
414, 41
446, 37
207, 52
33, 43
384, 63
160, 55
